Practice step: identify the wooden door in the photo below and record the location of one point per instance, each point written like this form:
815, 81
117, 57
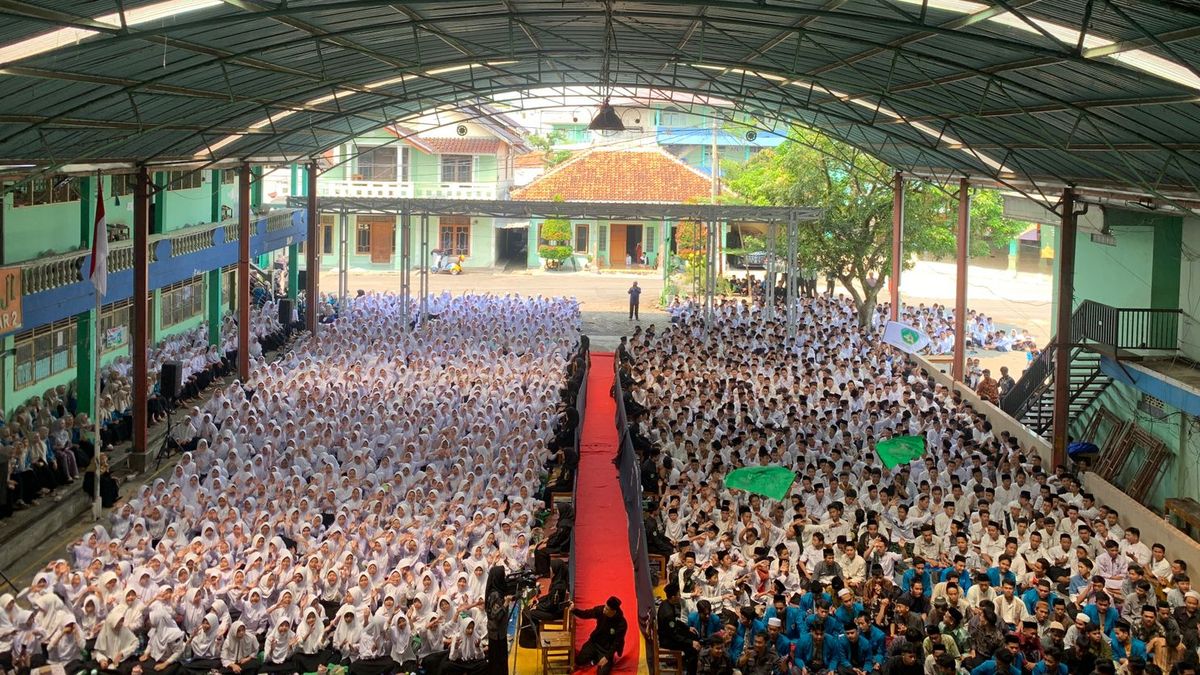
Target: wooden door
383, 241
616, 245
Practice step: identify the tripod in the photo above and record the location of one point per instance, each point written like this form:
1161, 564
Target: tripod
165, 449
8, 581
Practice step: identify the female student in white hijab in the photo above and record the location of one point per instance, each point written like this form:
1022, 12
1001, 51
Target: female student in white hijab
404, 644
239, 653
165, 644
205, 645
116, 646
64, 647
467, 653
374, 648
277, 652
27, 643
12, 617
346, 632
311, 651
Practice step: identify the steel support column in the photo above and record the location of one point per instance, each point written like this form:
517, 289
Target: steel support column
958, 365
406, 268
423, 275
710, 271
243, 272
1062, 328
343, 263
312, 251
771, 271
897, 243
139, 341
793, 236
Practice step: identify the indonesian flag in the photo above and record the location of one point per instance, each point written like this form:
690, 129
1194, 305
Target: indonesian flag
98, 272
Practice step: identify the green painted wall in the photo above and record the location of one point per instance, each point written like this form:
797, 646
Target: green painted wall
424, 168
37, 231
483, 244
1181, 470
1154, 264
31, 231
15, 397
189, 207
1115, 275
485, 169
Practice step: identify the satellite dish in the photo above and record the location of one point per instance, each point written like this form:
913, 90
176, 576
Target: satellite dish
461, 130
751, 135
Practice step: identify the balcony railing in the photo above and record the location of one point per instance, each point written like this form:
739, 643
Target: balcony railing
379, 189
279, 220
1130, 328
65, 269
407, 190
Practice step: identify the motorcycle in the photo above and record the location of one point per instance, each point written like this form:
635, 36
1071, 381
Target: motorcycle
444, 263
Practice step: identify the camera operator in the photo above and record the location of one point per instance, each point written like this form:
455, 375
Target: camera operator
498, 605
551, 605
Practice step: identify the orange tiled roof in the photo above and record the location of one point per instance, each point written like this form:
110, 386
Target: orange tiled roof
463, 146
621, 176
530, 160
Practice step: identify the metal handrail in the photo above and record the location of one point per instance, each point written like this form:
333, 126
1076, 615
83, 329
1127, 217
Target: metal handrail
1126, 327
1114, 328
1035, 378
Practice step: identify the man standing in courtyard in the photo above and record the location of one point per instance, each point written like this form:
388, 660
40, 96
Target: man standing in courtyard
1005, 383
987, 388
635, 294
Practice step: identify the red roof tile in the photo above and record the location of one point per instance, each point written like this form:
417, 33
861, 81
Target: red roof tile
463, 146
621, 176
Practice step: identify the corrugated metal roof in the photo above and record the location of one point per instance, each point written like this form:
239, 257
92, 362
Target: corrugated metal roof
1009, 94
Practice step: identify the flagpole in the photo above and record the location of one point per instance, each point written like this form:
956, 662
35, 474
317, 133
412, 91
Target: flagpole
96, 324
96, 407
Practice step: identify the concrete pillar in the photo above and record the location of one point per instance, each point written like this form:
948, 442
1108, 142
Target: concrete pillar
214, 211
85, 322
1064, 339
256, 186
158, 224
243, 272
897, 243
212, 282
293, 271
139, 340
958, 367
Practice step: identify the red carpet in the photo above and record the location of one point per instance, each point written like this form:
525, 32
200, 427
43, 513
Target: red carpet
602, 564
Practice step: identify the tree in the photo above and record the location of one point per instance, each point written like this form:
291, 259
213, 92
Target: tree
691, 247
546, 144
853, 239
556, 232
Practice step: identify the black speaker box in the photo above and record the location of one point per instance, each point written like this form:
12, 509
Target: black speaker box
285, 312
170, 379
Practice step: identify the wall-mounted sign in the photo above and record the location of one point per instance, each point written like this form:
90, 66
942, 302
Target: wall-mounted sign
10, 299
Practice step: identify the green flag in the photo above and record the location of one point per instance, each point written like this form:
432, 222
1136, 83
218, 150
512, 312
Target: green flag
900, 450
772, 481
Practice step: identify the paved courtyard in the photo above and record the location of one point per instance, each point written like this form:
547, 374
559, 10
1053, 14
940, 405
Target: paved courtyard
1019, 300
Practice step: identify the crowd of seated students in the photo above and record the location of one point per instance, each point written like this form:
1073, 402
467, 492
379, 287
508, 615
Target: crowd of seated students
935, 320
974, 558
47, 442
357, 502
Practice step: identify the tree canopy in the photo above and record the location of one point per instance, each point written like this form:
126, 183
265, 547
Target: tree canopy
853, 240
547, 145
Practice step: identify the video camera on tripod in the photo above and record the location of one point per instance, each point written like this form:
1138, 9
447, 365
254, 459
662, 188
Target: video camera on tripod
522, 584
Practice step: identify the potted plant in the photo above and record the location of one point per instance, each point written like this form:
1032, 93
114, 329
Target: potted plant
556, 232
